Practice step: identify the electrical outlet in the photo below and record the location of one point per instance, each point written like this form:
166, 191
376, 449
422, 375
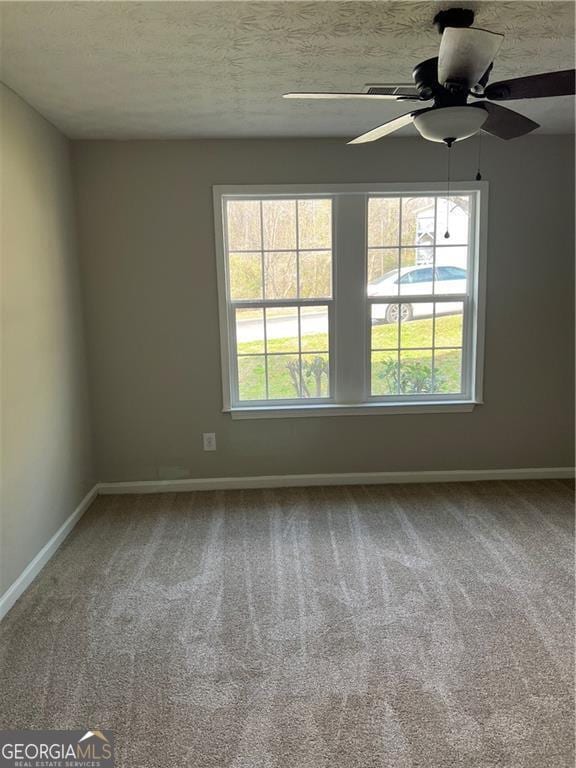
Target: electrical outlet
209, 441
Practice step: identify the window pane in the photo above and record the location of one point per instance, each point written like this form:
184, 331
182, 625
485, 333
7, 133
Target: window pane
385, 326
417, 280
279, 224
412, 258
457, 222
243, 217
315, 375
391, 313
315, 224
283, 376
451, 264
252, 378
416, 310
418, 221
448, 324
387, 285
383, 221
249, 331
416, 372
315, 274
314, 329
423, 256
282, 329
418, 331
280, 275
407, 271
245, 275
381, 263
448, 371
384, 368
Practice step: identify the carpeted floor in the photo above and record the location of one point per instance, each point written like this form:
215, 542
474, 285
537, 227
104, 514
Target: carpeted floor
398, 626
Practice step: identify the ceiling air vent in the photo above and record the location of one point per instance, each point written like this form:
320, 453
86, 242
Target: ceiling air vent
391, 89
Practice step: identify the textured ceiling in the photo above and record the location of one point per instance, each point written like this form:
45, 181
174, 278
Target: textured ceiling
217, 69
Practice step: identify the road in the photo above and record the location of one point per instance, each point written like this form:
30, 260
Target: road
279, 327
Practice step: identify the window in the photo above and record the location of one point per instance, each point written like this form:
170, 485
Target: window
346, 299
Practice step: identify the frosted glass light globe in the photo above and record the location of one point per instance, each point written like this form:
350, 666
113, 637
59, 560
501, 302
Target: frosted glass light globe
450, 123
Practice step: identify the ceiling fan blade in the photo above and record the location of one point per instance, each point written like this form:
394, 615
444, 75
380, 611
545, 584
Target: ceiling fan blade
368, 96
383, 130
504, 122
533, 87
465, 54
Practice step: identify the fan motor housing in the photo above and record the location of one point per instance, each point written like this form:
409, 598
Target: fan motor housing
454, 17
425, 76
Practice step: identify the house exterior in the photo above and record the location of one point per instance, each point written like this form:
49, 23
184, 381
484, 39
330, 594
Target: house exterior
448, 250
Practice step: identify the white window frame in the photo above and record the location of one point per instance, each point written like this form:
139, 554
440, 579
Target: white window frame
349, 316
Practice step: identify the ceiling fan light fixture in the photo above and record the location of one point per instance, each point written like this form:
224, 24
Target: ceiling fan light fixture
454, 123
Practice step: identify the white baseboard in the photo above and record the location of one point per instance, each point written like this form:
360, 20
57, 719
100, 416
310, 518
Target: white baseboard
347, 478
13, 592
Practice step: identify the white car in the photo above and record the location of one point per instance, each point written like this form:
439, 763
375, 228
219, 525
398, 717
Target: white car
416, 281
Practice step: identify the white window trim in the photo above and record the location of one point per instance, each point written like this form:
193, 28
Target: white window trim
355, 393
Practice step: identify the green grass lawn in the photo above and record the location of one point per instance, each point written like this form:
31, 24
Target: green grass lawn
417, 333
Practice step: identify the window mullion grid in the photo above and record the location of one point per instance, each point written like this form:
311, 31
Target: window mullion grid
433, 346
258, 303
277, 250
300, 374
264, 312
399, 344
328, 303
434, 244
266, 304
434, 291
422, 298
331, 337
233, 353
399, 329
470, 308
467, 365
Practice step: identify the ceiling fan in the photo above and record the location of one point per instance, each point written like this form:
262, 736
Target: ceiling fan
459, 72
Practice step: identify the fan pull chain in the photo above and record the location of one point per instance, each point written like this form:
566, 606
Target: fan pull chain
478, 173
447, 233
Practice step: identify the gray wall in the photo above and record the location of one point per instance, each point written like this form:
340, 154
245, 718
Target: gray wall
147, 245
45, 435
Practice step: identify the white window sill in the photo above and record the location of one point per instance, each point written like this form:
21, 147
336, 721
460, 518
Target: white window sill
365, 409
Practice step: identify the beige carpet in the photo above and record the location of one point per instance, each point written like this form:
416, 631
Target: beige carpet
400, 626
